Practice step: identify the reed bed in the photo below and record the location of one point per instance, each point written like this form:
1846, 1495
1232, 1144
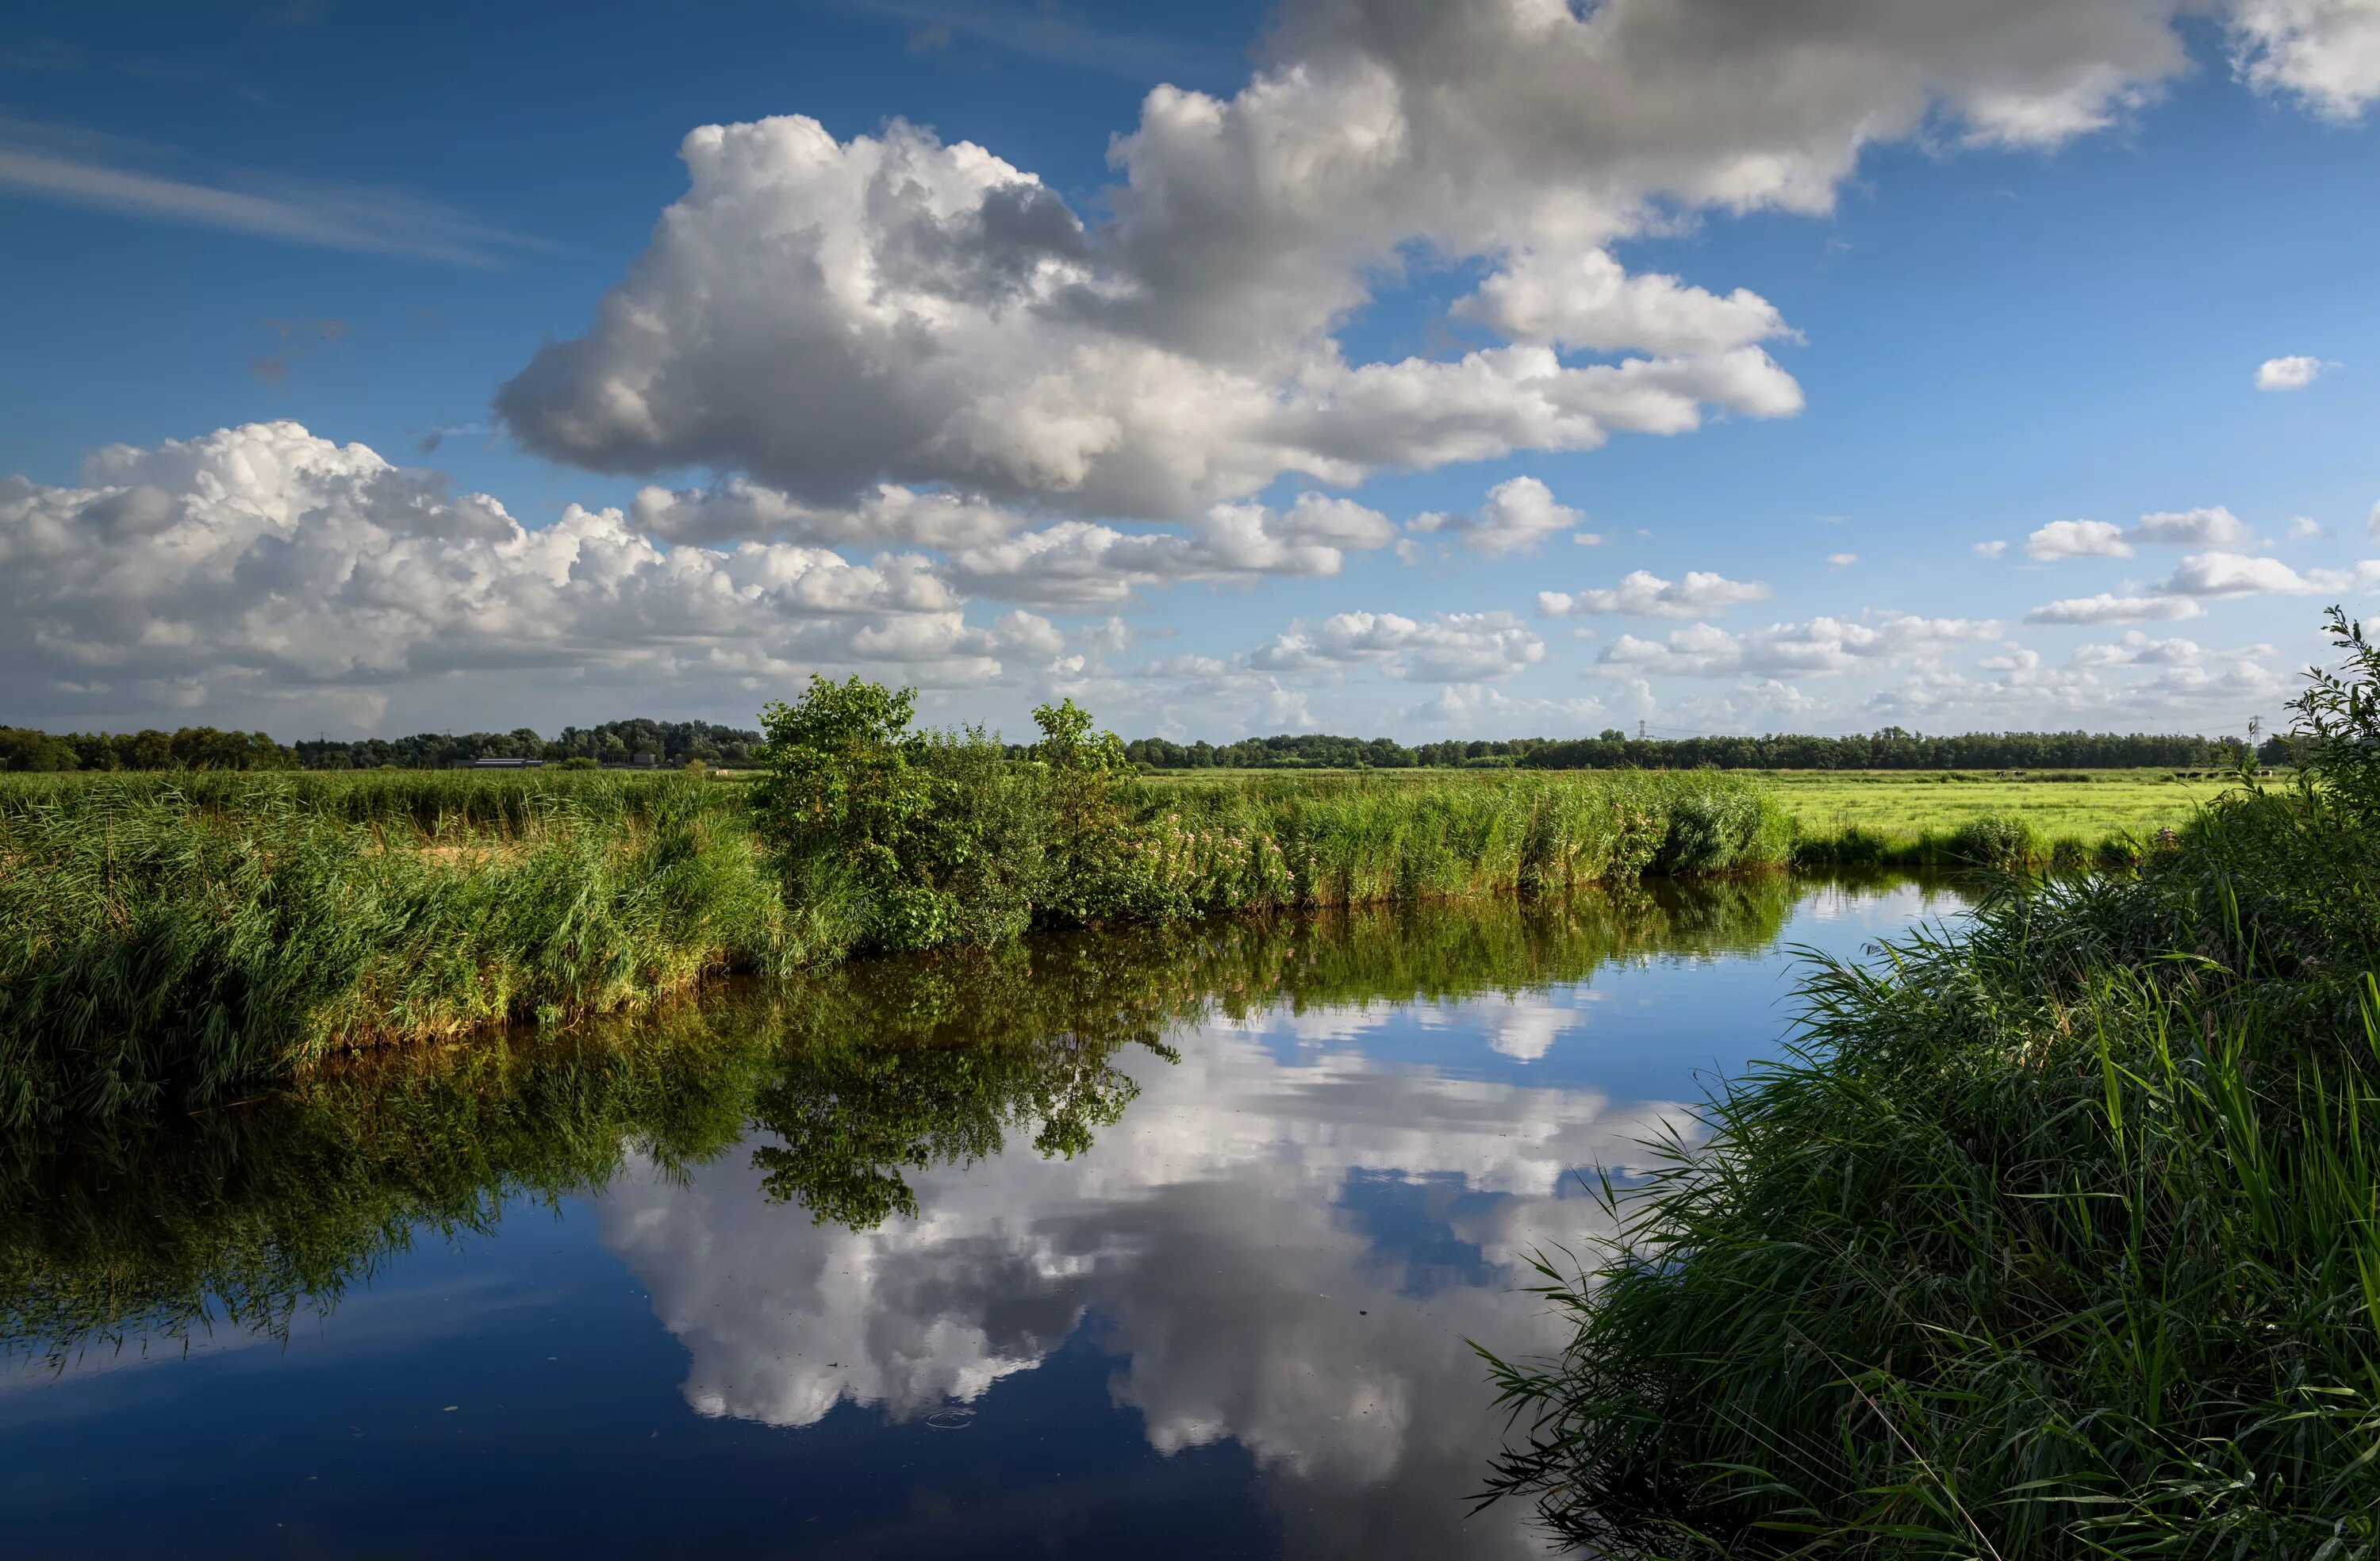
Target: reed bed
2057, 1237
1262, 842
179, 939
163, 943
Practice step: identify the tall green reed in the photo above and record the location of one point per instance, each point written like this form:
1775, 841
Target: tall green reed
162, 943
2057, 1237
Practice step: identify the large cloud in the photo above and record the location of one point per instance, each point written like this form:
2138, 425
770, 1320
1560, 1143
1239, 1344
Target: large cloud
261, 560
828, 315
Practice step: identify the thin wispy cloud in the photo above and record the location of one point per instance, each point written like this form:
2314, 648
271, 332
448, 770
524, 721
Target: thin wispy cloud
1047, 35
96, 174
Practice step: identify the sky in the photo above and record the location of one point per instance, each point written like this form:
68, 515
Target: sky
1480, 369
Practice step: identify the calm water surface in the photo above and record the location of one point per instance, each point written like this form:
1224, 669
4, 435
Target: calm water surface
1150, 1245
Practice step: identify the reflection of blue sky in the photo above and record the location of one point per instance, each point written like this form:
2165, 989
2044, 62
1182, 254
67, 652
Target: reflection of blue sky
1237, 1324
1661, 1027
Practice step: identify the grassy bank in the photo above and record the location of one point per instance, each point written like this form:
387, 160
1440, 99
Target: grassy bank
2056, 1237
169, 940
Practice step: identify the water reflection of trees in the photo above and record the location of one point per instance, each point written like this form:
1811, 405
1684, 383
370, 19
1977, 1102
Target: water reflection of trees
857, 1076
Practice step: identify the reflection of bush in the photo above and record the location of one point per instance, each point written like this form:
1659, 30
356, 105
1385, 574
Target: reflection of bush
863, 1073
895, 1066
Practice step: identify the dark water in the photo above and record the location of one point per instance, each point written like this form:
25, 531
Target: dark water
1146, 1245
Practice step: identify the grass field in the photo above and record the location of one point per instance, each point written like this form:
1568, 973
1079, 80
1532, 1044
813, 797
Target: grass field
1899, 803
1870, 817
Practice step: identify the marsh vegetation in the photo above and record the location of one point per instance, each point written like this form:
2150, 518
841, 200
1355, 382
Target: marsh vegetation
182, 938
2059, 1237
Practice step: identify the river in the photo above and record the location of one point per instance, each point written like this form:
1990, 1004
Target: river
1150, 1244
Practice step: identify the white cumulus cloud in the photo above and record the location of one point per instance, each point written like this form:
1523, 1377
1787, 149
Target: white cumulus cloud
1643, 594
825, 315
2213, 526
1518, 514
263, 564
2287, 373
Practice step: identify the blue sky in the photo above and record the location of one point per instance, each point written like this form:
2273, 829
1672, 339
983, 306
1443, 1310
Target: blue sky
1232, 369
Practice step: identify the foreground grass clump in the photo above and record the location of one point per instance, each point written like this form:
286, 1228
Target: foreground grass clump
2058, 1237
182, 943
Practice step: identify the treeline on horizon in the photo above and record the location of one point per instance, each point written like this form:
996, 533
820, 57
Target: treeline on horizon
204, 747
1891, 748
680, 743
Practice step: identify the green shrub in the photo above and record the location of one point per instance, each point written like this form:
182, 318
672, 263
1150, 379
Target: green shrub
923, 837
2003, 841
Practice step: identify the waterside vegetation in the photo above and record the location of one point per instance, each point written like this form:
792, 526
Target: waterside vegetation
180, 939
2058, 1237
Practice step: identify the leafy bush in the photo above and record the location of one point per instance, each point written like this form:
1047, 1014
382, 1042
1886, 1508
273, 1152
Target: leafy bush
2337, 739
924, 837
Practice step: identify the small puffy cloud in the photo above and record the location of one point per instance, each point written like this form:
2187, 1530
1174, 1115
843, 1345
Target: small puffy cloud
1991, 549
2137, 650
1478, 708
1450, 648
1841, 561
1588, 300
2214, 528
1819, 647
739, 509
2211, 527
1027, 632
1084, 562
2305, 526
1517, 515
1643, 594
2287, 373
2230, 574
2079, 539
2106, 608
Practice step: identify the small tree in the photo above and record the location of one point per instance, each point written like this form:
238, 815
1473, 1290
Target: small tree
1084, 768
2337, 736
919, 839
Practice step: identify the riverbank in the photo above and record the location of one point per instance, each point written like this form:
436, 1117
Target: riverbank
170, 940
2054, 1237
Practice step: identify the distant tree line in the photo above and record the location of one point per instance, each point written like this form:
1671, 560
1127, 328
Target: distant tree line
679, 742
203, 747
614, 741
192, 748
1891, 748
